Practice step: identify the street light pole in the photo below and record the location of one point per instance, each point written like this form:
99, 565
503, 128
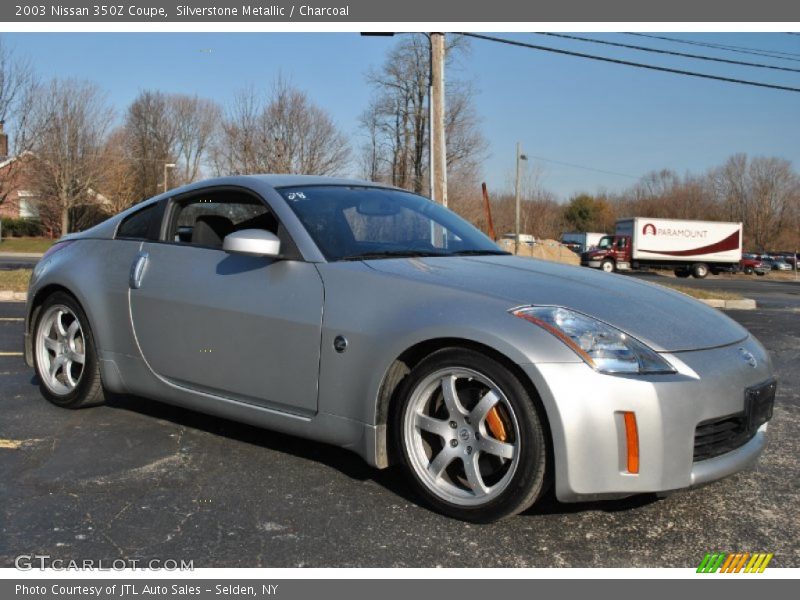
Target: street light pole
167, 166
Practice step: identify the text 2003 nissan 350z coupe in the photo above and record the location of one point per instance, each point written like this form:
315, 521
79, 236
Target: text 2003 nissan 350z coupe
371, 318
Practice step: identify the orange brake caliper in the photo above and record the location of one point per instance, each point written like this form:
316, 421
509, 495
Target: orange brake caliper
495, 424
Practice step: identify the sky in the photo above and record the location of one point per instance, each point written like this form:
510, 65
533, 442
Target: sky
617, 122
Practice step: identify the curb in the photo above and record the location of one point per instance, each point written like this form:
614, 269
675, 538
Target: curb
7, 296
8, 255
742, 304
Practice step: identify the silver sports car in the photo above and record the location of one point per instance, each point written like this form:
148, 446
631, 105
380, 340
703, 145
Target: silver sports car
376, 320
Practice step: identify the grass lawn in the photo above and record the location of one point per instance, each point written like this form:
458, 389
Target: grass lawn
25, 244
15, 281
703, 294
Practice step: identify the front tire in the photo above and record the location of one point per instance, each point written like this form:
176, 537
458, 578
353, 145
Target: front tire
64, 354
471, 437
608, 266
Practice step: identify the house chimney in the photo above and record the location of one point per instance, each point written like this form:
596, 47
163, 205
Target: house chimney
3, 141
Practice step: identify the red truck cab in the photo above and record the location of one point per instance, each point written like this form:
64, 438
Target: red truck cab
613, 252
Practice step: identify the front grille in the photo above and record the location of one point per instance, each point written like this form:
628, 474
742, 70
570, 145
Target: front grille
724, 434
718, 436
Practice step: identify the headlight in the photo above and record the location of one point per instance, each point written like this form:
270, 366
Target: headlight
604, 348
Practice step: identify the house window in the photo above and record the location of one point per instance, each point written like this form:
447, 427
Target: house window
28, 205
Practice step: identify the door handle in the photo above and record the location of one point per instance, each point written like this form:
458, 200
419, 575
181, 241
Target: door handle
137, 270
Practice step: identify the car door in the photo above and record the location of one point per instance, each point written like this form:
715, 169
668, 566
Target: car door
246, 328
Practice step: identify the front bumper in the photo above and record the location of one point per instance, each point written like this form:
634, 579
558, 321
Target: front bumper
585, 409
713, 469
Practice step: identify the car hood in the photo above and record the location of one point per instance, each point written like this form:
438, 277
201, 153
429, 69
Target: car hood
666, 320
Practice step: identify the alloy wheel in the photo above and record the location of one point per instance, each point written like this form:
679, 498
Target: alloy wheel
60, 349
462, 436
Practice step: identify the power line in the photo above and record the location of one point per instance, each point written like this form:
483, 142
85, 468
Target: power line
574, 166
670, 52
779, 54
629, 63
738, 49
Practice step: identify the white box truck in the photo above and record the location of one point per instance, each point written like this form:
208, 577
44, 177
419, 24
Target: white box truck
581, 241
688, 247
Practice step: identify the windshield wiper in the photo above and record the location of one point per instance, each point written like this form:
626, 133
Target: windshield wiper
392, 254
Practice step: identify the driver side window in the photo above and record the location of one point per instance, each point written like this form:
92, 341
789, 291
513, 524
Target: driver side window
206, 219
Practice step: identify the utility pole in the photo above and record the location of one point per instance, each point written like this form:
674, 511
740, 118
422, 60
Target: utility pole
167, 167
520, 157
438, 147
487, 207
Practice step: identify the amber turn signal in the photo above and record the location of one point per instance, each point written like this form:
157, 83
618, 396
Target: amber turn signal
632, 441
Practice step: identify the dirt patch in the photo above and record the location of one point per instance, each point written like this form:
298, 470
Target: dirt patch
544, 249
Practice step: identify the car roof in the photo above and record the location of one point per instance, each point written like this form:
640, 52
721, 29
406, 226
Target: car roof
107, 228
278, 180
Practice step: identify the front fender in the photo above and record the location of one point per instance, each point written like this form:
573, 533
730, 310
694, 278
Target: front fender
397, 315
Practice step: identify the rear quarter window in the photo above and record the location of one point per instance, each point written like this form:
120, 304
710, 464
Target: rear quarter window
144, 224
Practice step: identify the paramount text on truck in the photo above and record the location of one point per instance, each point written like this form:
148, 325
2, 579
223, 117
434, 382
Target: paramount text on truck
688, 247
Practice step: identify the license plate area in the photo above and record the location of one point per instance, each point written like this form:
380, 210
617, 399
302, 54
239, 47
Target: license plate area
759, 402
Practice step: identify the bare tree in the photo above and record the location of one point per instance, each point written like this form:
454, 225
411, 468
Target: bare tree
17, 85
151, 141
69, 123
372, 151
729, 185
763, 193
195, 120
162, 129
236, 150
119, 179
397, 123
286, 133
774, 188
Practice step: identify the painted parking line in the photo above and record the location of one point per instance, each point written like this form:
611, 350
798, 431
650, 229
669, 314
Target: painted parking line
17, 444
10, 353
14, 319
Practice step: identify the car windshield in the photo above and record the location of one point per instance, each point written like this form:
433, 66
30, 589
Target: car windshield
359, 223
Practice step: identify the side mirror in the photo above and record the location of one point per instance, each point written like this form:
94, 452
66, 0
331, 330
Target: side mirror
252, 242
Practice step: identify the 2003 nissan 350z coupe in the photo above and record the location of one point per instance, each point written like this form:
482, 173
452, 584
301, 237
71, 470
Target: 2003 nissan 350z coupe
374, 319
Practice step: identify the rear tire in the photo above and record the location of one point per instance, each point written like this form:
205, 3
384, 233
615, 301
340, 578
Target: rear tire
682, 273
471, 437
699, 270
64, 354
748, 270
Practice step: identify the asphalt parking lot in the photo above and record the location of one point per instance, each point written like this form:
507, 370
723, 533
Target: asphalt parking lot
768, 291
139, 479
